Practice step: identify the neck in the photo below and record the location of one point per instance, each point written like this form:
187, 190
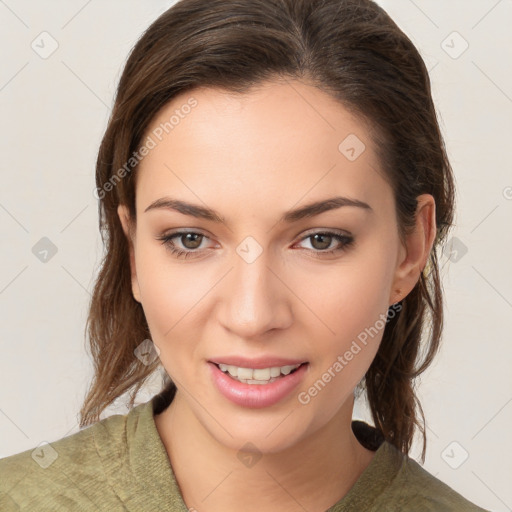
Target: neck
313, 474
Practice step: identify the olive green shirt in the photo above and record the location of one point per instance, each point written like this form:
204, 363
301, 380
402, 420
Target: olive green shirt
120, 464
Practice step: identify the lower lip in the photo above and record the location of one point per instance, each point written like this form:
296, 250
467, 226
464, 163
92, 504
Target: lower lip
256, 395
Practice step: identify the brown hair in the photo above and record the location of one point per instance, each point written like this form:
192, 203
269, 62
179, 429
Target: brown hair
350, 49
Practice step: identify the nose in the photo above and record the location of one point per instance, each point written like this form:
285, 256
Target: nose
255, 299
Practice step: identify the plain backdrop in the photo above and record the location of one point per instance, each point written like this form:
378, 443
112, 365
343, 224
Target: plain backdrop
60, 63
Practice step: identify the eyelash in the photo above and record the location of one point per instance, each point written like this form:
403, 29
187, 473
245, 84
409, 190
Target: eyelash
345, 240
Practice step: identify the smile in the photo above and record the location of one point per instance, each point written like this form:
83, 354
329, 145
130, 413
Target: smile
257, 387
257, 375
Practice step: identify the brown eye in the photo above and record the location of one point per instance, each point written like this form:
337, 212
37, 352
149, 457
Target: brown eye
183, 244
191, 240
321, 241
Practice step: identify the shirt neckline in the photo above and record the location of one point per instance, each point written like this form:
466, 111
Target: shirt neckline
145, 469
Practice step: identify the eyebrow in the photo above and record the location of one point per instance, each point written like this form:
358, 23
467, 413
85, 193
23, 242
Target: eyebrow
304, 212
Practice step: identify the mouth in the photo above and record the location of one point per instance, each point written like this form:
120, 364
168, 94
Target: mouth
272, 381
258, 376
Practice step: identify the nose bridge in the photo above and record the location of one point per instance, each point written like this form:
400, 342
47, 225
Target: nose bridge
255, 300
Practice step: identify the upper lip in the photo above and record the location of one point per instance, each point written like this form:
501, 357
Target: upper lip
256, 362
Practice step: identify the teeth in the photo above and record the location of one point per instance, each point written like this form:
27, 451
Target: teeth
260, 374
245, 373
287, 369
257, 375
275, 371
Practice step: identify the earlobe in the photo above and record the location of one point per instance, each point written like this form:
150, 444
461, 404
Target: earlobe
127, 225
414, 255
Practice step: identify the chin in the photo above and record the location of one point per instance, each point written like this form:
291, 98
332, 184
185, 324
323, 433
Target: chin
266, 431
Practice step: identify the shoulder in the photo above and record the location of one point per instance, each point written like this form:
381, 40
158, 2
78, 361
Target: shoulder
415, 489
62, 473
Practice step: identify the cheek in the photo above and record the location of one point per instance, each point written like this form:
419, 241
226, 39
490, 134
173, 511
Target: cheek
170, 292
171, 299
351, 296
352, 301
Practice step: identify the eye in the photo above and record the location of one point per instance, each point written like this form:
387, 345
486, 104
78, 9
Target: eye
191, 240
322, 241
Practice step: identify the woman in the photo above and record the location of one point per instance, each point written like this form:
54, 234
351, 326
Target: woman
273, 188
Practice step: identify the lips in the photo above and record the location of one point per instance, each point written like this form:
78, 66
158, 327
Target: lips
256, 383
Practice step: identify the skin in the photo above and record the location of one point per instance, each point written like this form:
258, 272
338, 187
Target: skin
252, 157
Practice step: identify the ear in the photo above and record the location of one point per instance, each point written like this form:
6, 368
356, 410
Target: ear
129, 231
414, 255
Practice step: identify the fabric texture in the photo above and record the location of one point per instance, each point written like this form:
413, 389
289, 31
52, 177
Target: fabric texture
120, 464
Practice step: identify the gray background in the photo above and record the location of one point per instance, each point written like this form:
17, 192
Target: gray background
54, 109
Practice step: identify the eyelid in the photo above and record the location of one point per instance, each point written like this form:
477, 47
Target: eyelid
315, 231
184, 231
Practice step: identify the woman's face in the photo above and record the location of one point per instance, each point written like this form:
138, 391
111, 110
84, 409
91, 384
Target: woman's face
262, 283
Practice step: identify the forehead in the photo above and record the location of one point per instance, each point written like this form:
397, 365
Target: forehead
281, 142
